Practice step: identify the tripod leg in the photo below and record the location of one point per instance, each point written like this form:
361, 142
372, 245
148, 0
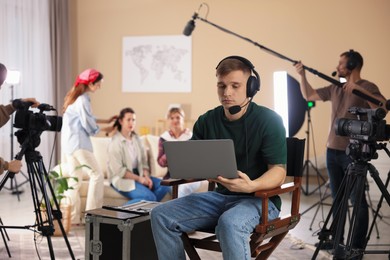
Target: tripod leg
5, 237
17, 185
355, 243
326, 232
374, 173
307, 162
15, 188
339, 250
307, 165
5, 242
320, 205
37, 180
371, 207
57, 213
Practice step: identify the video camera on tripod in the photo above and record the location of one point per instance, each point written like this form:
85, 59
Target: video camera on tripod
31, 127
372, 130
363, 133
26, 119
33, 124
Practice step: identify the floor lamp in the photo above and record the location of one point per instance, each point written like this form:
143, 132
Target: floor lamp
13, 78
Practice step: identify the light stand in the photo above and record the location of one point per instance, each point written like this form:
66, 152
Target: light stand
308, 164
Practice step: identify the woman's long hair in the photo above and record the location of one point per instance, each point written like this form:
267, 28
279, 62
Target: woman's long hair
76, 91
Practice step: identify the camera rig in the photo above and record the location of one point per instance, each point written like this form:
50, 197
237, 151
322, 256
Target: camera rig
373, 129
364, 132
33, 124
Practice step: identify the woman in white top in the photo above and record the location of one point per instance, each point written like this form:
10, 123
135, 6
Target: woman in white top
176, 132
78, 125
128, 166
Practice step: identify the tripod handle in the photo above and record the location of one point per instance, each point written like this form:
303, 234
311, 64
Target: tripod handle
8, 174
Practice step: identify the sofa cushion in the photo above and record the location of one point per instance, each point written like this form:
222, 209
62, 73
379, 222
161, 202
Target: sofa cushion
100, 149
151, 143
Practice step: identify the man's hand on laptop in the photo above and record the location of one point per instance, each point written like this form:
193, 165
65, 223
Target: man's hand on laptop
240, 184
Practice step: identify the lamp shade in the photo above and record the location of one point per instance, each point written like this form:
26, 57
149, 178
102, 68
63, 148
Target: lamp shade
13, 77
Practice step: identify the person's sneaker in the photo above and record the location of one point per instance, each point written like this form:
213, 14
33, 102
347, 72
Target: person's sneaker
326, 245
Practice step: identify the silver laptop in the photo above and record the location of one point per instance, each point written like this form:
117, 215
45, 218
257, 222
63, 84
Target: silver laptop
201, 159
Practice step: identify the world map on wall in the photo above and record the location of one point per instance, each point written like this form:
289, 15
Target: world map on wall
163, 59
156, 65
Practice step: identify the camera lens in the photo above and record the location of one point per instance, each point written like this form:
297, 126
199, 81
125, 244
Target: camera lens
351, 127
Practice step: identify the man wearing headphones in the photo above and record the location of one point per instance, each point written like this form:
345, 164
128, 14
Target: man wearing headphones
349, 67
5, 112
260, 147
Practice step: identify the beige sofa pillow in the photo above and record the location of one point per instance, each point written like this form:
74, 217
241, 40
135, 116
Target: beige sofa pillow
151, 144
100, 149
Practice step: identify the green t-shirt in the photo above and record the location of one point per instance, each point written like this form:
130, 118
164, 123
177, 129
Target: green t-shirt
259, 139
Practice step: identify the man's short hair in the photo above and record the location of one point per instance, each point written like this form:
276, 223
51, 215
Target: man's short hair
228, 65
355, 60
3, 73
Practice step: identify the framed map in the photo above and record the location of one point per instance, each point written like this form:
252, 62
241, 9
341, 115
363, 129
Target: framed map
156, 64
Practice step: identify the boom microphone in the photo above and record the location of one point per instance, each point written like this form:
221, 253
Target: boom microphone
190, 25
367, 97
334, 73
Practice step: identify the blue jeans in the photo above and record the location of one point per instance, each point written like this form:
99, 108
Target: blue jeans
141, 192
337, 163
233, 217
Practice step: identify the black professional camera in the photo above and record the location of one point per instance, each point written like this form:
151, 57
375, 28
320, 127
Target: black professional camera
372, 130
28, 120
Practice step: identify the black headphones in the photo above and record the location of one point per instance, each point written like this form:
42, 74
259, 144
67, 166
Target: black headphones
353, 60
253, 83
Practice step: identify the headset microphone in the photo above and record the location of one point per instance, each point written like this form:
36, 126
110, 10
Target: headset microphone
235, 109
334, 73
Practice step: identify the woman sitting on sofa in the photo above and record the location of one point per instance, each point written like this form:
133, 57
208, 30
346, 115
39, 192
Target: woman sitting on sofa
128, 166
176, 132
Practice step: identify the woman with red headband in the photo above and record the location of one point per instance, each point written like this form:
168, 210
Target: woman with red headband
78, 125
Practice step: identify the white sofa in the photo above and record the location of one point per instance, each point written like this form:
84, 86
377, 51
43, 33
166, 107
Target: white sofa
100, 147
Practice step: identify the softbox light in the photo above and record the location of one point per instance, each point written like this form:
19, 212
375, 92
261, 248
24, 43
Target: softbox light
13, 77
289, 102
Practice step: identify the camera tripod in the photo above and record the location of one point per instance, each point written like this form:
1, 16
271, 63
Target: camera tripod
353, 181
39, 179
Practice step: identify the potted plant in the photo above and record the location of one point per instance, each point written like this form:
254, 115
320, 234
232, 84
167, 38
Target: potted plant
60, 184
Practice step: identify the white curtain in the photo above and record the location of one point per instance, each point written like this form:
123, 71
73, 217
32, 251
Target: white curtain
25, 46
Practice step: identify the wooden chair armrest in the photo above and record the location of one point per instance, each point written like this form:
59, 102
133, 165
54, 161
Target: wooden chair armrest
287, 187
174, 183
